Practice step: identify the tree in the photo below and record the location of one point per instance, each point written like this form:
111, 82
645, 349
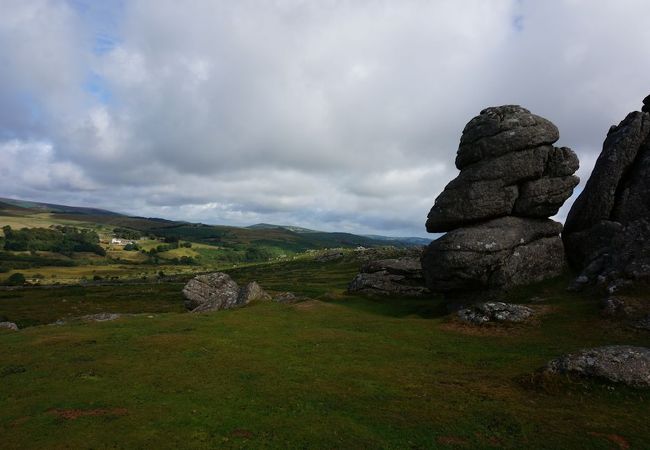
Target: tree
16, 279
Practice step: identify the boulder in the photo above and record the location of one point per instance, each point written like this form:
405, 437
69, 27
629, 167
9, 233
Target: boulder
288, 297
495, 212
507, 167
8, 326
607, 231
500, 130
610, 175
216, 291
615, 363
482, 313
252, 292
398, 276
100, 317
497, 254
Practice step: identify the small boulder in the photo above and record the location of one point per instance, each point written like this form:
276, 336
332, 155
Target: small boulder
252, 292
482, 313
616, 363
217, 290
100, 317
398, 276
286, 297
9, 326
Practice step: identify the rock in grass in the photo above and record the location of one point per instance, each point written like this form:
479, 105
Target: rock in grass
616, 363
252, 292
9, 326
101, 317
399, 276
287, 297
482, 313
217, 290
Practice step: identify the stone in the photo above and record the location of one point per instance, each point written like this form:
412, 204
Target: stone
526, 178
615, 363
100, 317
461, 204
497, 254
252, 292
544, 197
495, 212
216, 291
398, 276
500, 130
8, 326
642, 323
597, 201
286, 297
481, 313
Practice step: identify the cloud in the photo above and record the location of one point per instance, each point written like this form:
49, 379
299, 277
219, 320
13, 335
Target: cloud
333, 115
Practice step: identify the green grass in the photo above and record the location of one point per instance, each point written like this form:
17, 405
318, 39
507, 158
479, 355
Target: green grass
339, 372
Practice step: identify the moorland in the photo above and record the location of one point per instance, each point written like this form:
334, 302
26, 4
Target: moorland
335, 370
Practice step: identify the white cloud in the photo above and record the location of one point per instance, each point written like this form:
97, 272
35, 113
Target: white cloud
332, 114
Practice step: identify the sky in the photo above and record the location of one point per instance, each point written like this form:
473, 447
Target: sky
328, 114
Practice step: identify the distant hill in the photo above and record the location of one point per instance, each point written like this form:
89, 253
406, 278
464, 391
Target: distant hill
279, 238
387, 240
8, 203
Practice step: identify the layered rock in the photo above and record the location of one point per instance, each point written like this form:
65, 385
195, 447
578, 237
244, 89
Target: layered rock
217, 291
616, 363
496, 211
482, 313
607, 231
399, 276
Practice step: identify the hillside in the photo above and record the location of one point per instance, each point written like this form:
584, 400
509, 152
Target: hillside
159, 245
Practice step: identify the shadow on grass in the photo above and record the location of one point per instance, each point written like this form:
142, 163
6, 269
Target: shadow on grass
425, 308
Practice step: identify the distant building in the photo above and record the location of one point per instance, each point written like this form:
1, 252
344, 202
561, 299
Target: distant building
118, 241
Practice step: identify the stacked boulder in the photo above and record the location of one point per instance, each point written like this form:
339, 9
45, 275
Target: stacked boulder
496, 212
607, 231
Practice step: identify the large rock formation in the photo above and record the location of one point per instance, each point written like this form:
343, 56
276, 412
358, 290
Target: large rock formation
399, 276
496, 211
216, 291
607, 231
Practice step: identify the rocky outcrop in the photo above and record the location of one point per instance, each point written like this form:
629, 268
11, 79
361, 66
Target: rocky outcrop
400, 276
216, 291
8, 326
482, 313
616, 363
500, 253
607, 231
496, 211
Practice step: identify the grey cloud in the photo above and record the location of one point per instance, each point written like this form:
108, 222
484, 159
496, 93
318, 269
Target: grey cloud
331, 115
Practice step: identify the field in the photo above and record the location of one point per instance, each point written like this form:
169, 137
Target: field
163, 246
335, 371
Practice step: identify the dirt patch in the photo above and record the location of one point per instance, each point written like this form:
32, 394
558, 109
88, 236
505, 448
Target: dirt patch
310, 305
241, 433
72, 414
452, 440
616, 439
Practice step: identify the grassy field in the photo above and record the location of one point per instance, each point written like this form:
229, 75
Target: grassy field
337, 371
